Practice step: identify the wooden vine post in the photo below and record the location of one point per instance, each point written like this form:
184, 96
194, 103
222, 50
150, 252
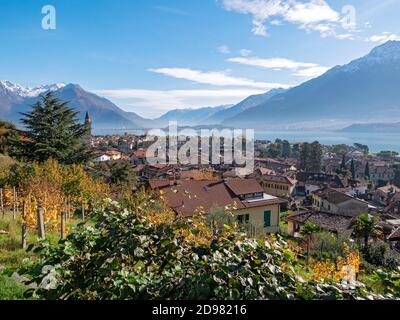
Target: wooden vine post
83, 211
14, 203
63, 221
24, 226
40, 224
1, 201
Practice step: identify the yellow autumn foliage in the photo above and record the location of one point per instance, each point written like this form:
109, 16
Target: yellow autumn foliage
55, 188
329, 271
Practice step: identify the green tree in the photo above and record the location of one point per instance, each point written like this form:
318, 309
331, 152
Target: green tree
8, 134
366, 227
308, 231
219, 219
353, 169
367, 171
340, 149
122, 173
315, 159
286, 149
362, 147
304, 155
53, 131
397, 177
117, 173
296, 150
343, 164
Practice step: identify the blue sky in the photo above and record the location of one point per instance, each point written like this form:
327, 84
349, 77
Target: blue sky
150, 56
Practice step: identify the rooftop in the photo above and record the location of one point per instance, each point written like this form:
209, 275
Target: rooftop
186, 197
327, 221
334, 196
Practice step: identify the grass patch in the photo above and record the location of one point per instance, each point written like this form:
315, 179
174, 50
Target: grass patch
283, 224
373, 282
5, 161
11, 252
11, 289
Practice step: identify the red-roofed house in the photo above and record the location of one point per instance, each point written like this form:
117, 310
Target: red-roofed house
191, 197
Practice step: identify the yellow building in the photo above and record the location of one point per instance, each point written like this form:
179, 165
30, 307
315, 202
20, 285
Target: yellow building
251, 204
279, 186
333, 201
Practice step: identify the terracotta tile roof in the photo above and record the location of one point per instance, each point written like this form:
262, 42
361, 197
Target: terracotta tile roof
279, 179
327, 221
187, 196
140, 153
113, 153
245, 186
334, 181
271, 160
197, 174
389, 189
395, 236
265, 171
333, 196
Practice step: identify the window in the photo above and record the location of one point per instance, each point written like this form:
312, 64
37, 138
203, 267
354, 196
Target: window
267, 219
244, 218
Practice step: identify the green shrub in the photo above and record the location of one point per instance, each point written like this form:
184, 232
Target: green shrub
381, 255
123, 256
328, 246
10, 289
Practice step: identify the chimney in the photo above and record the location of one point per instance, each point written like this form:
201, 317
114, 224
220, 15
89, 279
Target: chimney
171, 180
177, 178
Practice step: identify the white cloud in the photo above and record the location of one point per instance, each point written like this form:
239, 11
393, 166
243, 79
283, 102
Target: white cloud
156, 102
302, 69
224, 49
276, 22
311, 72
273, 63
345, 36
384, 37
245, 52
314, 15
215, 78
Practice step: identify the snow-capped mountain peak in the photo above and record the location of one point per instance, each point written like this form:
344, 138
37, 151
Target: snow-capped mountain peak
388, 51
27, 91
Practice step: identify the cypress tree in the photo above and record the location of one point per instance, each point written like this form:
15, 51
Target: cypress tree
304, 155
367, 172
353, 169
286, 149
343, 164
396, 181
315, 160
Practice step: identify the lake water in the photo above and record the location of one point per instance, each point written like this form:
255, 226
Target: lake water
375, 141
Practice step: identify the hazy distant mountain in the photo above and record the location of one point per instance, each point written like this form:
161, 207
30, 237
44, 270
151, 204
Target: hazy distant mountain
244, 105
366, 89
190, 117
15, 99
374, 128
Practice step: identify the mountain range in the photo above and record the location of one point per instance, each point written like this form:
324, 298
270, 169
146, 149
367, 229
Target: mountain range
363, 91
15, 99
191, 117
389, 128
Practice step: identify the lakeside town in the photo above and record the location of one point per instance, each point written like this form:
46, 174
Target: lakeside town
328, 185
333, 210
198, 155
